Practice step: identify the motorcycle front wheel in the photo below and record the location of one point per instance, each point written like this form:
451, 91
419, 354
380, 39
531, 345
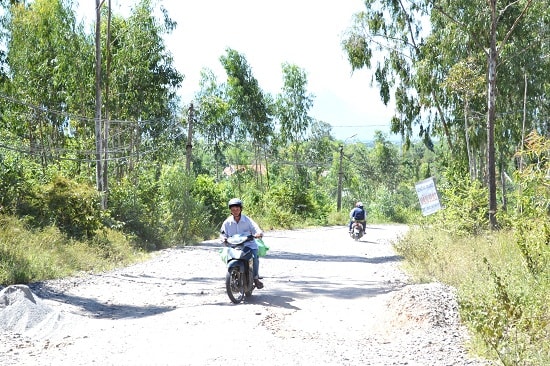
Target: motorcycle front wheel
234, 283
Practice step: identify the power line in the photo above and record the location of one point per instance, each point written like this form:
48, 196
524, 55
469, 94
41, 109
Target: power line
73, 116
61, 153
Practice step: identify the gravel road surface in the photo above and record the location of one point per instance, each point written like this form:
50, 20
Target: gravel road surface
327, 300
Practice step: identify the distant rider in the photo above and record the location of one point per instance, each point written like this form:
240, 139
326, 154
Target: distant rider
358, 214
238, 223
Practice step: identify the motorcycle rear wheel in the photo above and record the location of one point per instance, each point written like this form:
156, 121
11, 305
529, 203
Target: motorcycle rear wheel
234, 284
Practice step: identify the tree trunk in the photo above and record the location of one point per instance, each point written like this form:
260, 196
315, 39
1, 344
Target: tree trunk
471, 163
491, 116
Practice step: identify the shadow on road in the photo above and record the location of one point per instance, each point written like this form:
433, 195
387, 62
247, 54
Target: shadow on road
98, 309
282, 292
332, 258
106, 310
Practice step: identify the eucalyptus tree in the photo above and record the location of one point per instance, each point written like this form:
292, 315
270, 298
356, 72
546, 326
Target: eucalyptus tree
418, 56
50, 75
503, 35
213, 115
292, 107
390, 34
143, 83
249, 106
466, 82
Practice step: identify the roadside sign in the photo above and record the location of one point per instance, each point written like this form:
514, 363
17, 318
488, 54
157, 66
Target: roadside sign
427, 195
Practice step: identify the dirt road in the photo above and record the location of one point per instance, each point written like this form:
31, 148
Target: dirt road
327, 300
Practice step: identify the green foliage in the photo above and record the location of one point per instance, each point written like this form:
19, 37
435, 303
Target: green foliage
464, 203
29, 255
533, 238
246, 98
533, 194
211, 195
185, 218
134, 205
398, 206
74, 208
288, 204
15, 187
501, 300
293, 104
337, 218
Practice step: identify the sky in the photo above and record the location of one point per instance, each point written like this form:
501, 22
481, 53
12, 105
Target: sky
306, 33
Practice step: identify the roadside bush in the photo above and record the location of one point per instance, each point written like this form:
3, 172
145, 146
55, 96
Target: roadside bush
464, 205
288, 205
73, 207
397, 206
186, 219
503, 298
19, 193
133, 204
30, 254
211, 195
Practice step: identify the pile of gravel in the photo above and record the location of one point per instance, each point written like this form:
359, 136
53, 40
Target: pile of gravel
24, 313
428, 305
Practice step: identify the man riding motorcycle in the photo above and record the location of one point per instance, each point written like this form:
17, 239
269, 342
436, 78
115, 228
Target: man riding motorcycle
358, 214
238, 223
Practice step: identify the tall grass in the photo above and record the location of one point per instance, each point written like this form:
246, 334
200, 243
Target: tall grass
503, 300
30, 255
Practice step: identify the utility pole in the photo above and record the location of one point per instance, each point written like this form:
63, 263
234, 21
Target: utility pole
189, 145
98, 129
340, 174
105, 131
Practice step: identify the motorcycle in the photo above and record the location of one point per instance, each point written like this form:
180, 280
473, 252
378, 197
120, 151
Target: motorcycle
239, 279
357, 230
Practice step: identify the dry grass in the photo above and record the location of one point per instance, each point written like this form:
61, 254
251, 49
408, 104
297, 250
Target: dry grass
30, 255
503, 301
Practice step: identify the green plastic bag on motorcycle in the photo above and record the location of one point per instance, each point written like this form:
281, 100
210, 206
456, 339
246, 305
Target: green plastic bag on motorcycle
262, 248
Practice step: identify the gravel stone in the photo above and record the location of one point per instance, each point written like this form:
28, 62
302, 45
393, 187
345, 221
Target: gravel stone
327, 300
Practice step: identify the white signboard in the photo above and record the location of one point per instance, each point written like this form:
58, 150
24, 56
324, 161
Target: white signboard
427, 195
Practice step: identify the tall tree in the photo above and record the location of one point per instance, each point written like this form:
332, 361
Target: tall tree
50, 74
214, 119
247, 101
246, 98
505, 22
391, 34
293, 105
491, 32
143, 85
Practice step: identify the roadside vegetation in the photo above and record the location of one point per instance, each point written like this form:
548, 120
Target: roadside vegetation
81, 193
502, 276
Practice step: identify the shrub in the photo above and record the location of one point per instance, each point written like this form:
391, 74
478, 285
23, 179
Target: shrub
211, 195
74, 208
133, 203
185, 218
